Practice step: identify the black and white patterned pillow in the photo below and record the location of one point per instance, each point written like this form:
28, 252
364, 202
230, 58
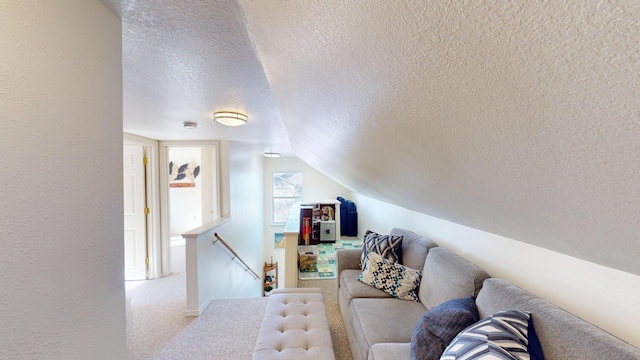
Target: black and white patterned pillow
395, 279
389, 247
501, 336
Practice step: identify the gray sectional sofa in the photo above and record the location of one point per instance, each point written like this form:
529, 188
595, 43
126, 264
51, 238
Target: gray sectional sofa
380, 326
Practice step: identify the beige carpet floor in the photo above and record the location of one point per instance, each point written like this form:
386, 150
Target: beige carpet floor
338, 333
227, 329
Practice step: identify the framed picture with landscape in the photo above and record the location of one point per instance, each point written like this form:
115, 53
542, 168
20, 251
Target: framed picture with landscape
279, 240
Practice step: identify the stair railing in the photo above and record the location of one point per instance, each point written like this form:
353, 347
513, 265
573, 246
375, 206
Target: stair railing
235, 255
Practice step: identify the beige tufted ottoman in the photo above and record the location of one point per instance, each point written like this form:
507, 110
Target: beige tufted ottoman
295, 326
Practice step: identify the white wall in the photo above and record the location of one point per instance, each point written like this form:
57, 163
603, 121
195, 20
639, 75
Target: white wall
244, 231
220, 276
61, 223
603, 296
315, 187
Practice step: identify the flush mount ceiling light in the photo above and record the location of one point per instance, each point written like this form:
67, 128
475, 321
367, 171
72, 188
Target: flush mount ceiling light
271, 154
229, 118
190, 125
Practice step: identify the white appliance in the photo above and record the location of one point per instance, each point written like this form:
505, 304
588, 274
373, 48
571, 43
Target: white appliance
327, 231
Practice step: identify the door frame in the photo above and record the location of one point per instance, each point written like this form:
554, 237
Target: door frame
165, 205
154, 240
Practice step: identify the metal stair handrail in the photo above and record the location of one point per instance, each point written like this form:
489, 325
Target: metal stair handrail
235, 255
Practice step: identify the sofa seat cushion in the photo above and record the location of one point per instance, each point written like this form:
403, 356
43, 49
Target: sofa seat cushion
383, 320
356, 289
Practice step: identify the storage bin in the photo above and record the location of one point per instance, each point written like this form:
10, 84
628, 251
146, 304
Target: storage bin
308, 258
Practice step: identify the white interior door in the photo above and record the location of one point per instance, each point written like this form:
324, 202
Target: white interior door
135, 242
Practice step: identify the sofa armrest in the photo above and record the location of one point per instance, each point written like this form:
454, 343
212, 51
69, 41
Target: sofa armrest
348, 259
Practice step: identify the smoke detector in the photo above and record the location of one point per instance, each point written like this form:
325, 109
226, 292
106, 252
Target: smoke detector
190, 125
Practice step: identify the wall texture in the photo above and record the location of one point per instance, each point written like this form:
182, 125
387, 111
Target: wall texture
61, 266
519, 118
601, 295
242, 200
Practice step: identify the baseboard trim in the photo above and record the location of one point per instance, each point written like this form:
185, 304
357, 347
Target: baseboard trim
192, 313
201, 309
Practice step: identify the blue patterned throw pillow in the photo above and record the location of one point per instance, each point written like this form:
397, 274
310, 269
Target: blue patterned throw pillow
389, 247
438, 326
501, 336
395, 279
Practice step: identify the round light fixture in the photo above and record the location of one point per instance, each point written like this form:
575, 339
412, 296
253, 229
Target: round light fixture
229, 118
271, 154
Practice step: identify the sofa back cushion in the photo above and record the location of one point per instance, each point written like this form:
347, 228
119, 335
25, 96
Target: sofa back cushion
447, 276
563, 336
414, 247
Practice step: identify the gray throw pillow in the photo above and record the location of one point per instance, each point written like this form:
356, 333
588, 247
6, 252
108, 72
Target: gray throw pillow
438, 326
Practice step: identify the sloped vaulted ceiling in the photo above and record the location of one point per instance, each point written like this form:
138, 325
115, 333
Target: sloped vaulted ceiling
518, 118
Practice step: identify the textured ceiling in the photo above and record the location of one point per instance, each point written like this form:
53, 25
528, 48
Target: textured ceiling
518, 118
184, 60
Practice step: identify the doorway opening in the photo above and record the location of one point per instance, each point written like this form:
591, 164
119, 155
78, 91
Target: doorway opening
192, 180
190, 183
